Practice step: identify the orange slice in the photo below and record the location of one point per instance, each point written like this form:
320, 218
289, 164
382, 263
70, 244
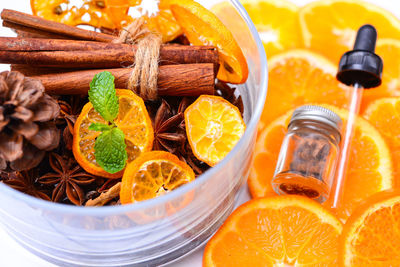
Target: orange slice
384, 114
202, 27
276, 231
371, 236
299, 77
277, 22
389, 51
132, 119
97, 13
153, 174
213, 127
370, 166
330, 26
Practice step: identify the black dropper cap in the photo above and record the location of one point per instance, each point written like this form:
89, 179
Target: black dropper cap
361, 65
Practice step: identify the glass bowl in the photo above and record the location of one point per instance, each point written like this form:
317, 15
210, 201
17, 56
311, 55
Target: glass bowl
159, 230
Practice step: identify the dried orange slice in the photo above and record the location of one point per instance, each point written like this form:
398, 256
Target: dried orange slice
153, 174
280, 29
164, 22
330, 26
384, 114
132, 119
371, 236
299, 77
161, 21
370, 167
213, 127
275, 231
202, 27
97, 13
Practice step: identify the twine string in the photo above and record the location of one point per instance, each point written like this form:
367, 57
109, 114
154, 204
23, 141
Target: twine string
143, 78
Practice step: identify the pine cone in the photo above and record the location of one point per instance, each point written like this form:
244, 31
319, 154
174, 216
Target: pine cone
27, 125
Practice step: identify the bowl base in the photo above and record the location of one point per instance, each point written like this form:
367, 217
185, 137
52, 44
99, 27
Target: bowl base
224, 210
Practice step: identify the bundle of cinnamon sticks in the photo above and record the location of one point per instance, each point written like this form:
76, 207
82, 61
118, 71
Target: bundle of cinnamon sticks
65, 58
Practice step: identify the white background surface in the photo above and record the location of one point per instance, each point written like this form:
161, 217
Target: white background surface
13, 255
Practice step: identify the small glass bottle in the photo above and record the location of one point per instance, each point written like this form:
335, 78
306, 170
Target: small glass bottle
309, 153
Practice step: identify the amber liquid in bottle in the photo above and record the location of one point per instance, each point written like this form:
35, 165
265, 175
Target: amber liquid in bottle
297, 184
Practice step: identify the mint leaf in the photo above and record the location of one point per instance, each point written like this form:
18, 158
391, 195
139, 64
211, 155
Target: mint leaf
110, 150
99, 127
103, 96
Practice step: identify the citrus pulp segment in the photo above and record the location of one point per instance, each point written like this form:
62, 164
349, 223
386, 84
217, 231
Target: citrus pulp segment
389, 51
277, 22
299, 77
371, 236
384, 114
275, 231
330, 26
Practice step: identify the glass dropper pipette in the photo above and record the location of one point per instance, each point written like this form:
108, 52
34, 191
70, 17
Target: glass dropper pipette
359, 68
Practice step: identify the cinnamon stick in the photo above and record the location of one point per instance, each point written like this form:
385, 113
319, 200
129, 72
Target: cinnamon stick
105, 197
29, 70
173, 80
23, 31
15, 18
86, 54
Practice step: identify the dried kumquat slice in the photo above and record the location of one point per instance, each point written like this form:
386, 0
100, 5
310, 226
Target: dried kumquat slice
213, 127
371, 236
97, 13
132, 119
153, 174
202, 27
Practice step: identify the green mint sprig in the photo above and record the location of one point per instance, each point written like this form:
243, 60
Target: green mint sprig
103, 96
109, 148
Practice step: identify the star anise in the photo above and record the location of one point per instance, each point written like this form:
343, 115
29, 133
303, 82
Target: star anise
66, 115
68, 177
227, 92
25, 182
168, 135
69, 112
185, 154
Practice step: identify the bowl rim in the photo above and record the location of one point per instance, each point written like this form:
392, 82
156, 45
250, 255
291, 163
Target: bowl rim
113, 210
